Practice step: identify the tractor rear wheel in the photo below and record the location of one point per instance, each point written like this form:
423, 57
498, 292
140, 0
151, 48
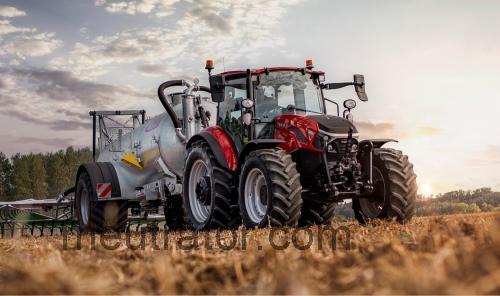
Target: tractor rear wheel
395, 189
208, 197
317, 213
270, 190
98, 216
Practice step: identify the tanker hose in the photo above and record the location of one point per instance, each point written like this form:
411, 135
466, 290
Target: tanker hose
204, 88
166, 104
178, 132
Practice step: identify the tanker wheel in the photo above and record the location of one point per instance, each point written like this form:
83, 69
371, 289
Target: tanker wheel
174, 216
317, 213
395, 189
270, 190
207, 195
99, 216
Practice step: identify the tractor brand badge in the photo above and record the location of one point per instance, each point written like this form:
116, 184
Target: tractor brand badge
103, 190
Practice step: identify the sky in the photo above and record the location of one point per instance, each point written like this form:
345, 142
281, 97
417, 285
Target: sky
432, 68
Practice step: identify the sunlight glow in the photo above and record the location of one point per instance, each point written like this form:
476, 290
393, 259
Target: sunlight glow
426, 190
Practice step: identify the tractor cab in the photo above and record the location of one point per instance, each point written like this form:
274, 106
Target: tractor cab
255, 104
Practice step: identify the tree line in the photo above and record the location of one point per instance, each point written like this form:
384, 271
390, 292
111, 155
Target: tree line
40, 175
460, 201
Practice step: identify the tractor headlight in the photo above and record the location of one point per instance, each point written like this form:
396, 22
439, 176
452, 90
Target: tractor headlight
350, 104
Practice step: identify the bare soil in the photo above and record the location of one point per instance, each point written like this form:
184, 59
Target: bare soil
457, 254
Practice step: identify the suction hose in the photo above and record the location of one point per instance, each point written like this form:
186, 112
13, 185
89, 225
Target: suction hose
168, 107
166, 104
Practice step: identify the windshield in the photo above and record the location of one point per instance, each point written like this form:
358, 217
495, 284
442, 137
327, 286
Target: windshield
286, 92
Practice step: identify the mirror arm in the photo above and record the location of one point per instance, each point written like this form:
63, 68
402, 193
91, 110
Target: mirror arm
337, 85
336, 104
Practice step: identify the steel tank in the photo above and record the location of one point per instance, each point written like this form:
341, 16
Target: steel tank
157, 145
153, 142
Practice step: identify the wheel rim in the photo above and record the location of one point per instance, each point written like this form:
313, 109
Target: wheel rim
200, 206
256, 195
373, 205
84, 206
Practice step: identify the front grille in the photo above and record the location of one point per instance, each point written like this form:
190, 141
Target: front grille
340, 145
318, 142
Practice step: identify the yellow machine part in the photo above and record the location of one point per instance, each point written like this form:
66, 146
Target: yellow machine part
131, 159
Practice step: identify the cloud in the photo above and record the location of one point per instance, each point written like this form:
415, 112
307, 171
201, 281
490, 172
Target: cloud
32, 45
152, 69
232, 30
56, 99
64, 86
211, 17
390, 130
7, 28
9, 11
23, 42
50, 142
427, 131
158, 8
378, 130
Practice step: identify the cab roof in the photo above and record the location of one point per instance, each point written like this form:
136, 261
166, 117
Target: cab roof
263, 70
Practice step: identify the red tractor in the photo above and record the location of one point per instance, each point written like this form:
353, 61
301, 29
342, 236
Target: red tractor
276, 158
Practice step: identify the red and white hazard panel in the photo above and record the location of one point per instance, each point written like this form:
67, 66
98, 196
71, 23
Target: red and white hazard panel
103, 190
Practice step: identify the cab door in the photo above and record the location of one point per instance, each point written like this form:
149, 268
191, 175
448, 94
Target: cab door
230, 111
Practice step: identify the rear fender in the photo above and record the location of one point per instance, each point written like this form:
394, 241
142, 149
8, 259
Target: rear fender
220, 144
100, 172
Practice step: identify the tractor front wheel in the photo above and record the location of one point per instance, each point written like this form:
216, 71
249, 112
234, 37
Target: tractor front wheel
270, 190
316, 212
395, 189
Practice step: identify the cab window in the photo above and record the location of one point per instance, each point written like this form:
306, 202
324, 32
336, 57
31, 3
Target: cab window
234, 93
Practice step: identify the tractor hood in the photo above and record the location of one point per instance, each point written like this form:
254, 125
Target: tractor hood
333, 124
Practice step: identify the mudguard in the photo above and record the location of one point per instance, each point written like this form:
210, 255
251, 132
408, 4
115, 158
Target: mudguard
100, 172
377, 143
258, 144
221, 145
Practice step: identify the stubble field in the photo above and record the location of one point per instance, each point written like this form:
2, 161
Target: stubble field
458, 254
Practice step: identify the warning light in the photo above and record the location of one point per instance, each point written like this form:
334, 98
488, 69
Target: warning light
309, 64
209, 65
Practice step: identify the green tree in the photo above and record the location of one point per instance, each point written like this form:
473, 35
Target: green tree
5, 177
56, 177
21, 177
38, 179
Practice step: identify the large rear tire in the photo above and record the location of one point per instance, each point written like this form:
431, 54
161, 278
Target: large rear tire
270, 190
98, 216
395, 189
208, 195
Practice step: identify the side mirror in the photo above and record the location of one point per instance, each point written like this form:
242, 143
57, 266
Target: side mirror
217, 87
359, 86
